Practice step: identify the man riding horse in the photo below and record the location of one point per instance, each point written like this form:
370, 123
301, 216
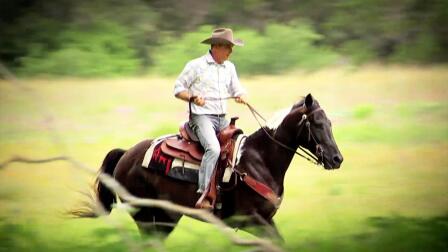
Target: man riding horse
205, 83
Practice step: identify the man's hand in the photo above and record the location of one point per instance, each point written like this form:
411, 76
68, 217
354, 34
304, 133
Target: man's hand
198, 100
185, 96
240, 100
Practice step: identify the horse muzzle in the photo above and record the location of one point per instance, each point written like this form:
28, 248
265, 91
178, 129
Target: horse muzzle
332, 163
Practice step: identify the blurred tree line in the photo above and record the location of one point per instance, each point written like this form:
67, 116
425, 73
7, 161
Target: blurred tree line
112, 37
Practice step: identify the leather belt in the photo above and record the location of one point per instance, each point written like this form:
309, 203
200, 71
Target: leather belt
217, 115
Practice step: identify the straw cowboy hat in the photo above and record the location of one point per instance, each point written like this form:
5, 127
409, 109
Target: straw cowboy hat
223, 35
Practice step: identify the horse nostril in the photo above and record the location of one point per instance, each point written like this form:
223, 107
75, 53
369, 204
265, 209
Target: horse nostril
338, 159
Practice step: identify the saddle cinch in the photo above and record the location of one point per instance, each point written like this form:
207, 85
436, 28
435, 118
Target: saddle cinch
188, 149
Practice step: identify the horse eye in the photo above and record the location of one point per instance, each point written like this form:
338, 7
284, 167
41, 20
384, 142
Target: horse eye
319, 125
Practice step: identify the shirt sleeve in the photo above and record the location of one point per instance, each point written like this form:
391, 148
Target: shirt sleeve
236, 89
185, 79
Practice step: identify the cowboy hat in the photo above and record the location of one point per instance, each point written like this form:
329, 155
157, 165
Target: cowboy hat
223, 35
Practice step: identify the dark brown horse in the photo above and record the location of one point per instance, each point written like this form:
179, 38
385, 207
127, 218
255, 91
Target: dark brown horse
266, 156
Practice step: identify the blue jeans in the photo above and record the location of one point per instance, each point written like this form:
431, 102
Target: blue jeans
205, 127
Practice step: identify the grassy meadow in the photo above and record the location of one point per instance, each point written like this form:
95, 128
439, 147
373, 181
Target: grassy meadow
391, 193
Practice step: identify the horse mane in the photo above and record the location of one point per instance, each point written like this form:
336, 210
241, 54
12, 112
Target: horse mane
278, 117
275, 121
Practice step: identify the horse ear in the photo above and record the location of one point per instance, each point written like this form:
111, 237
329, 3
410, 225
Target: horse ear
309, 100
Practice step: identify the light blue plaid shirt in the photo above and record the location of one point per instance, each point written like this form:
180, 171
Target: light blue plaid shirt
204, 77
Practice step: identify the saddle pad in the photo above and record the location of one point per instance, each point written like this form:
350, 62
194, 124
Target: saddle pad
149, 152
235, 158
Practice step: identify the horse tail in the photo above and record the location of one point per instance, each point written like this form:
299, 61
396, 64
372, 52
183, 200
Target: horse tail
105, 196
102, 197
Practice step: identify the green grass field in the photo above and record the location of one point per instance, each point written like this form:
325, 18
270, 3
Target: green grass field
391, 193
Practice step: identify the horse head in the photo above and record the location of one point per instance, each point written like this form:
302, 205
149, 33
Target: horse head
314, 132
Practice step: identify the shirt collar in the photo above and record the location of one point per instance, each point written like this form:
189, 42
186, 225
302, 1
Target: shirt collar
210, 60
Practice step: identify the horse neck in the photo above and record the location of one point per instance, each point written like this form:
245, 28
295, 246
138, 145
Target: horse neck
286, 136
273, 159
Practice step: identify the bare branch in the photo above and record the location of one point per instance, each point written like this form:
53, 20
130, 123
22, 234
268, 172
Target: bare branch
19, 159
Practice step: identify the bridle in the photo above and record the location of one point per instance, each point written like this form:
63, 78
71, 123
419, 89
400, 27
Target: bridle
317, 158
319, 150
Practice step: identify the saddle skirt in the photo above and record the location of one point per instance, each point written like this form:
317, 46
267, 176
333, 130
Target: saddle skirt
180, 157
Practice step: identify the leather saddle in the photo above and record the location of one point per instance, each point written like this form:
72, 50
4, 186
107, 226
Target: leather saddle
187, 148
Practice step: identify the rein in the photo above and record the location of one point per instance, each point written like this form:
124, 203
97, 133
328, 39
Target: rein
317, 159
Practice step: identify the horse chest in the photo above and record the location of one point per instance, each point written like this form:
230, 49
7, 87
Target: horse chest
248, 203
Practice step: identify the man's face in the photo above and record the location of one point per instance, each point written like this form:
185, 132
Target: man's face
222, 52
